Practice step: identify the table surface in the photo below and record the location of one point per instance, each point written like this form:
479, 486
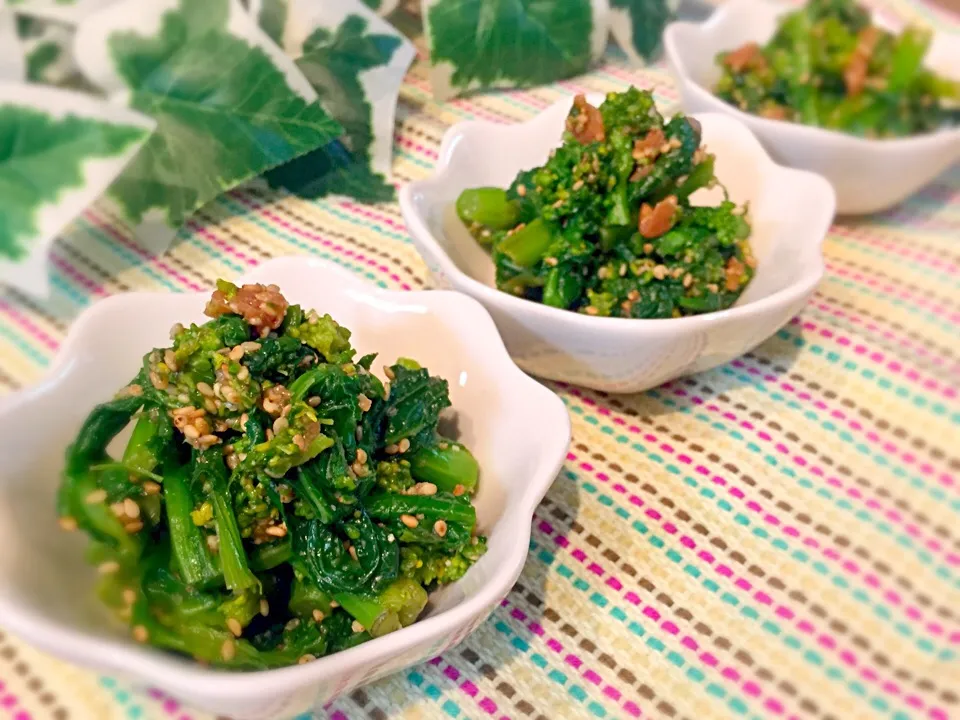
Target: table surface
778, 537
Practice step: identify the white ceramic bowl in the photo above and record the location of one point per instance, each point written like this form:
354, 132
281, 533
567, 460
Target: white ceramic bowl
791, 211
868, 175
518, 430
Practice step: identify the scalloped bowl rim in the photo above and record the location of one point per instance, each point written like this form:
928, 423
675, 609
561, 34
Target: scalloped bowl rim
832, 137
424, 237
185, 676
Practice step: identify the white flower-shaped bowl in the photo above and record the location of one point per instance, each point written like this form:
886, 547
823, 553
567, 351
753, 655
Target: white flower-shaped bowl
518, 430
869, 175
790, 211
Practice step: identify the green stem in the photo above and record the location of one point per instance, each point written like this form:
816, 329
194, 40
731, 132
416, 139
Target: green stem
139, 455
233, 558
527, 246
489, 207
186, 540
129, 469
907, 58
562, 288
305, 597
699, 177
375, 618
390, 505
405, 597
271, 555
446, 467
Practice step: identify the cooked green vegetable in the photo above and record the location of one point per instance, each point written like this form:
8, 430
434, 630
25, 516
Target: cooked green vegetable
828, 65
276, 501
606, 226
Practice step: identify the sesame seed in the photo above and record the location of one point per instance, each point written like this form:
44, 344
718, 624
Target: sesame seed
67, 523
318, 615
334, 604
391, 449
551, 261
648, 248
279, 425
521, 190
170, 360
140, 634
243, 373
459, 490
134, 527
314, 401
687, 280
228, 651
578, 184
409, 520
403, 445
426, 488
276, 531
660, 272
108, 567
390, 537
388, 371
603, 273
357, 627
190, 432
118, 509
234, 626
292, 624
590, 310
307, 657
440, 528
353, 552
364, 402
236, 354
129, 596
264, 607
361, 455
131, 508
623, 270
97, 496
131, 390
213, 543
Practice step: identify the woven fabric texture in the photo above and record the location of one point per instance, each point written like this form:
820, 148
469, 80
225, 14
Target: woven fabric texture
776, 538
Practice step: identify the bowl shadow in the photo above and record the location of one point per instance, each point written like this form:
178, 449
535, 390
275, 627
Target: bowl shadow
917, 210
485, 657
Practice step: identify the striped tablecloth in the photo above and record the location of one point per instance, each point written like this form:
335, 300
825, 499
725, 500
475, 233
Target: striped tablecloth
779, 537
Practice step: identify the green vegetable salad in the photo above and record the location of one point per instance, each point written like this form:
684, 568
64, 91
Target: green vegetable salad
276, 501
606, 226
827, 65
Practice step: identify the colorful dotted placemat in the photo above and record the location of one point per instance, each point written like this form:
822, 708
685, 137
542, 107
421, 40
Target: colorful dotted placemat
777, 538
